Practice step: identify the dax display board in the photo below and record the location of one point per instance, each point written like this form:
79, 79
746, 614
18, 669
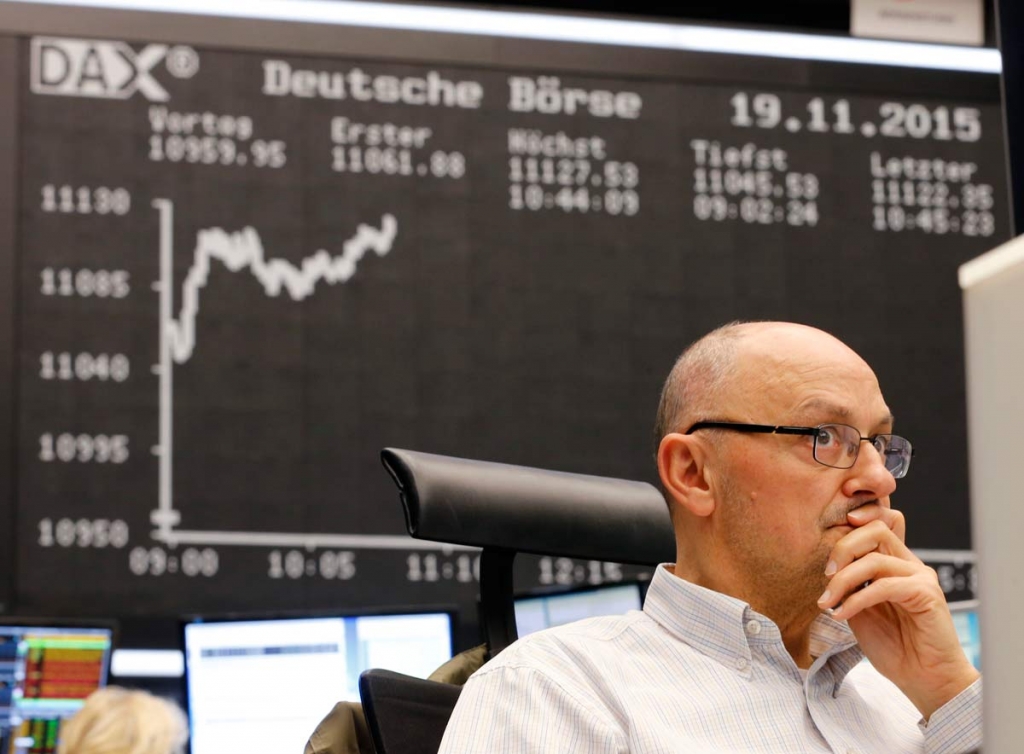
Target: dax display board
241, 272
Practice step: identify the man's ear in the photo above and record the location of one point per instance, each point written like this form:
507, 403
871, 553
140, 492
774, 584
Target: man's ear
681, 466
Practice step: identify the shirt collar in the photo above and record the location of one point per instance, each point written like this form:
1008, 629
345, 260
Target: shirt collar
721, 627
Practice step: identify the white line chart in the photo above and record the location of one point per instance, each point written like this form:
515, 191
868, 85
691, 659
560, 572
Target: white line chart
239, 252
243, 251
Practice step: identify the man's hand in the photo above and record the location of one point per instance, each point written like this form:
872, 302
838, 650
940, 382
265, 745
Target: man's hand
896, 609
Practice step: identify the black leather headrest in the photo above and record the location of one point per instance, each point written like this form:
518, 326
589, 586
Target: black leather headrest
405, 715
496, 505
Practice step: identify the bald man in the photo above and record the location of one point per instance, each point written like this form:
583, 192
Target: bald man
777, 458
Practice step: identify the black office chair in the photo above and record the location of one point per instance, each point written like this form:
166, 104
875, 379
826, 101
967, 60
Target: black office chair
406, 715
504, 510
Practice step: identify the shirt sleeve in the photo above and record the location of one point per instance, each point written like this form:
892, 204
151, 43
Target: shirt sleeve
520, 710
955, 727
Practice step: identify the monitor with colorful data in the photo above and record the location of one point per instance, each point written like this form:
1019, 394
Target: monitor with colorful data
46, 672
263, 685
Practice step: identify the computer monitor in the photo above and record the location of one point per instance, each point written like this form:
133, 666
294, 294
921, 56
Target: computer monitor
535, 612
47, 669
263, 685
965, 619
993, 287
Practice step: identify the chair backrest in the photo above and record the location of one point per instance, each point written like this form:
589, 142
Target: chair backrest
406, 715
506, 509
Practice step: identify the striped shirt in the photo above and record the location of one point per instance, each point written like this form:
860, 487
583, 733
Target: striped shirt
695, 671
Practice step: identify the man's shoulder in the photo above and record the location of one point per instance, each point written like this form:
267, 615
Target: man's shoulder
578, 661
592, 640
552, 684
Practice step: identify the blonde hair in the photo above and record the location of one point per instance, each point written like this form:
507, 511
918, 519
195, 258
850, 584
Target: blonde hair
115, 720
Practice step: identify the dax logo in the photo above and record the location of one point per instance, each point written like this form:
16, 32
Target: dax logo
103, 69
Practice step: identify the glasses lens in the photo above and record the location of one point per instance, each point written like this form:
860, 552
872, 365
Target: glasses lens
836, 445
896, 452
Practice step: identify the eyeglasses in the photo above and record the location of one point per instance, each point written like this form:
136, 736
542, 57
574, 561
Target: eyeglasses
835, 445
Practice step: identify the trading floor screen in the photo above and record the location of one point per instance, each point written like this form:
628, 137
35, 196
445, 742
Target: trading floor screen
45, 675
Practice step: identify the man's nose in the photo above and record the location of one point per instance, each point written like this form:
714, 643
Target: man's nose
869, 474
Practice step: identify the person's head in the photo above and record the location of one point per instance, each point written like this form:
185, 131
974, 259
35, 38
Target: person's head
756, 515
124, 721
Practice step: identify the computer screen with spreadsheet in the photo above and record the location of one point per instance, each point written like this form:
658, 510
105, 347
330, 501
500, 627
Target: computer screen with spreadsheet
262, 686
46, 672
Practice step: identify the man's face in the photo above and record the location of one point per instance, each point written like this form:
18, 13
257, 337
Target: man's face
780, 511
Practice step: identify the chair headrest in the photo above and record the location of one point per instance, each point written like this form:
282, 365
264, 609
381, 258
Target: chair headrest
523, 509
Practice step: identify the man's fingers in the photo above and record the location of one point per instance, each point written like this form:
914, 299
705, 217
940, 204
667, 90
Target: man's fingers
894, 519
906, 593
873, 536
870, 568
